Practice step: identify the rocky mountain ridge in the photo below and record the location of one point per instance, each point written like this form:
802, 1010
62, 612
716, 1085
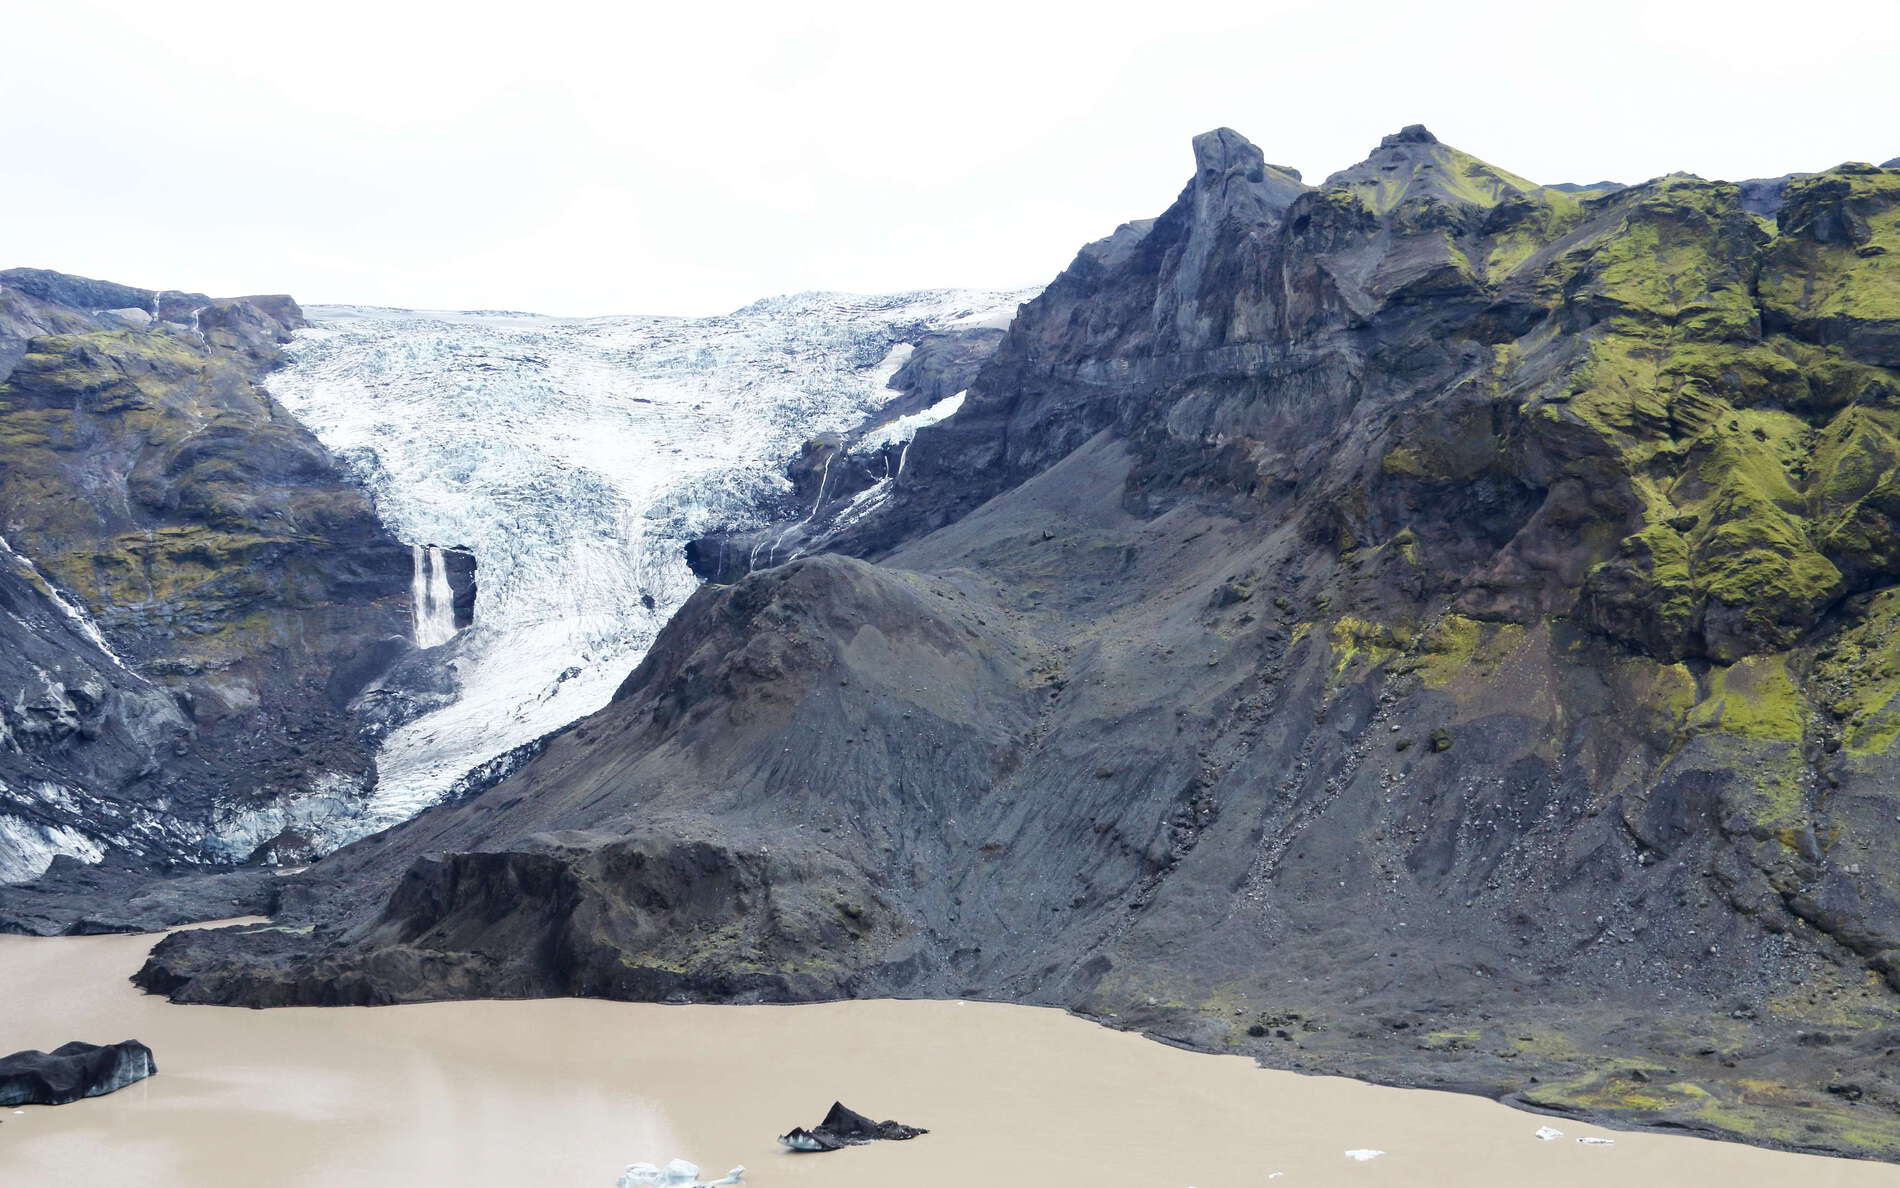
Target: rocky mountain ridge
1426, 626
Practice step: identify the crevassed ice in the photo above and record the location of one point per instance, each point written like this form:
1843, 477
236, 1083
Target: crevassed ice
576, 457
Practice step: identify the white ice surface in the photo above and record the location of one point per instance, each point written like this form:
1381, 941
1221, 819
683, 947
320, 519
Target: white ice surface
903, 429
577, 457
678, 1173
27, 849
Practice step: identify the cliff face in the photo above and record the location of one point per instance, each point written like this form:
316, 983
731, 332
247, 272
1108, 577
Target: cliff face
1426, 626
197, 592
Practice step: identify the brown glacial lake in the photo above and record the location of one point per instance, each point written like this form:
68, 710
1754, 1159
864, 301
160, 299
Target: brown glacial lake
564, 1093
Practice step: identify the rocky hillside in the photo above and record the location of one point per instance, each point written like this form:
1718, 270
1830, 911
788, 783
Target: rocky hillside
194, 591
1427, 626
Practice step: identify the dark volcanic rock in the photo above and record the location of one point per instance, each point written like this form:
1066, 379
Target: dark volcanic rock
1764, 195
846, 1128
461, 565
72, 1071
73, 899
195, 588
1425, 626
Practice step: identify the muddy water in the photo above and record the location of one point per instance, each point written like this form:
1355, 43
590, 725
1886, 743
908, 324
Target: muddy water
565, 1092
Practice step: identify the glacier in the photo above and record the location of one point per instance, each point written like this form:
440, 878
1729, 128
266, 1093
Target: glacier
576, 457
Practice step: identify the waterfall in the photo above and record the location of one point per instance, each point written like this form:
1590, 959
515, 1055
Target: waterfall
74, 613
434, 601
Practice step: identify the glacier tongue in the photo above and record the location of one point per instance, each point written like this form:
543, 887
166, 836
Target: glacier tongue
576, 457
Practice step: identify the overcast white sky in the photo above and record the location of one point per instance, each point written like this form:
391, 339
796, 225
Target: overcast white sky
690, 157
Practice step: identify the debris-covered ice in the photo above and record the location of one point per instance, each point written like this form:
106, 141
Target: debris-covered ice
844, 1127
676, 1174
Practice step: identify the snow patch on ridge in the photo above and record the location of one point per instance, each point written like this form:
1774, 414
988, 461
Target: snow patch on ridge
576, 457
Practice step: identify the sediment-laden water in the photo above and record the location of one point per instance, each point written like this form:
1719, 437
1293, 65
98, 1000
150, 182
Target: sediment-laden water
563, 1093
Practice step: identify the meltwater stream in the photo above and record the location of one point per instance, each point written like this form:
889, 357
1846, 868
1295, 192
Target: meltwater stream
576, 457
432, 597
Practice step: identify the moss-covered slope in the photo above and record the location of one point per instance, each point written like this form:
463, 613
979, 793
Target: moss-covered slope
218, 549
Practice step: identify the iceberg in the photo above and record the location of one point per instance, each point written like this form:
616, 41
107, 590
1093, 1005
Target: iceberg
678, 1173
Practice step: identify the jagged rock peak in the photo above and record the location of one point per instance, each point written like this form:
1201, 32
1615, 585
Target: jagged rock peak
1224, 152
1413, 165
1231, 166
1410, 134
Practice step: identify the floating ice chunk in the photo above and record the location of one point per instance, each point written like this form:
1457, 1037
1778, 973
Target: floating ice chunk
1363, 1154
1594, 1141
1547, 1134
676, 1174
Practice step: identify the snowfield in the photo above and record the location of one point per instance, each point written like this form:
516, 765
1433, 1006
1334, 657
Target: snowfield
576, 457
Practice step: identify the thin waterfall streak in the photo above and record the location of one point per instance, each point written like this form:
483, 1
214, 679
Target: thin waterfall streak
824, 476
74, 613
432, 596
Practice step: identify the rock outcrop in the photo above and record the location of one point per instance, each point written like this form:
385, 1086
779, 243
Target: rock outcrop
72, 1071
195, 591
844, 1127
1426, 626
74, 898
